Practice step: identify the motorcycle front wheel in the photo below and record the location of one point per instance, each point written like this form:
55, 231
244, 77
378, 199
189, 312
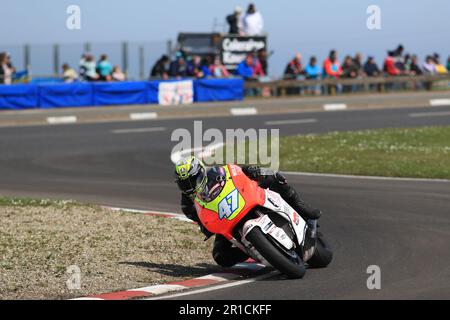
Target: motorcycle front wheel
273, 255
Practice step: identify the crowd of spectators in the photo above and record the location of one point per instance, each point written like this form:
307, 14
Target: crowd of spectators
90, 70
396, 63
188, 67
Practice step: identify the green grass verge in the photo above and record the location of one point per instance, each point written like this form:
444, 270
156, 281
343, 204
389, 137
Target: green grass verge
416, 152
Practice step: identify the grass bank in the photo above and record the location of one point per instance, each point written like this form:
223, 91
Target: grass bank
40, 239
416, 152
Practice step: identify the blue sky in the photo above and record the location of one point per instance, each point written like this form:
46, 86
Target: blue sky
310, 27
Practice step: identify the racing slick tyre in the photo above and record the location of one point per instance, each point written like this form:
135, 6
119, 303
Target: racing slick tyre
273, 255
322, 255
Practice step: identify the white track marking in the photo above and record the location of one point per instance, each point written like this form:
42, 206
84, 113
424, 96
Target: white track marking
218, 287
62, 120
138, 130
429, 114
334, 106
160, 289
143, 116
345, 176
294, 121
439, 102
200, 152
243, 111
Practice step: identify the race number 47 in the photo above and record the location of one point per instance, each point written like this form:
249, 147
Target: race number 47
229, 204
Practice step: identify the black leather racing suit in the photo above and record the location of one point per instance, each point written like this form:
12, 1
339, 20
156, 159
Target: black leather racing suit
224, 253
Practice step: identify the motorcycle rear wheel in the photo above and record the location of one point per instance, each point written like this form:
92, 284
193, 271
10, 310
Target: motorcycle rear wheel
274, 256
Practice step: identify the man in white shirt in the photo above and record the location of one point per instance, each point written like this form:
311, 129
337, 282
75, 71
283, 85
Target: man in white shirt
253, 22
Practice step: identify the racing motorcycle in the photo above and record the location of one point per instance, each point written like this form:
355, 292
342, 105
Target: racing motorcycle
259, 222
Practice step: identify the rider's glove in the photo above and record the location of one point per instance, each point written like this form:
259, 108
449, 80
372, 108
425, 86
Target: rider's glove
253, 172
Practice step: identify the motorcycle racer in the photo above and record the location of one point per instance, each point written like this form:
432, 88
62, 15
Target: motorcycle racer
194, 179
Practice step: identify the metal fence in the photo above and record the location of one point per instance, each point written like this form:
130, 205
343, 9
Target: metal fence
45, 60
332, 86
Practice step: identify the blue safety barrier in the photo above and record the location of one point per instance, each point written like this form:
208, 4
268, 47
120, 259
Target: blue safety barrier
18, 96
120, 93
76, 94
218, 90
57, 95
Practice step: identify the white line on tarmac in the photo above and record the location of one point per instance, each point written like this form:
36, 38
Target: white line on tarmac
143, 116
138, 130
243, 111
439, 102
294, 121
429, 114
62, 120
200, 152
218, 287
334, 106
346, 176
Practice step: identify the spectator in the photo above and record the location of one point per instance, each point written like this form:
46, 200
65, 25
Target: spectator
160, 69
429, 66
6, 69
90, 66
197, 68
397, 56
245, 69
389, 65
357, 61
104, 68
440, 68
263, 57
332, 67
82, 66
179, 68
117, 74
414, 67
253, 22
370, 67
349, 71
234, 21
294, 68
218, 70
69, 75
258, 70
313, 72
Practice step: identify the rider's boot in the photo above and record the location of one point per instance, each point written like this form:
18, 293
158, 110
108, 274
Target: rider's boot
291, 196
308, 213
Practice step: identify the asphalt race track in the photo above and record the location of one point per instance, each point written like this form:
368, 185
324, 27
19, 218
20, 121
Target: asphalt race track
401, 226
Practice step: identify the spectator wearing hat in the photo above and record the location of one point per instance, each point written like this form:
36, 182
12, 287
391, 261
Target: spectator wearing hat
234, 21
253, 22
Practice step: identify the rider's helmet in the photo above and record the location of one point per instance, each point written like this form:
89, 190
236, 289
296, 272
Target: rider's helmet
216, 180
190, 175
